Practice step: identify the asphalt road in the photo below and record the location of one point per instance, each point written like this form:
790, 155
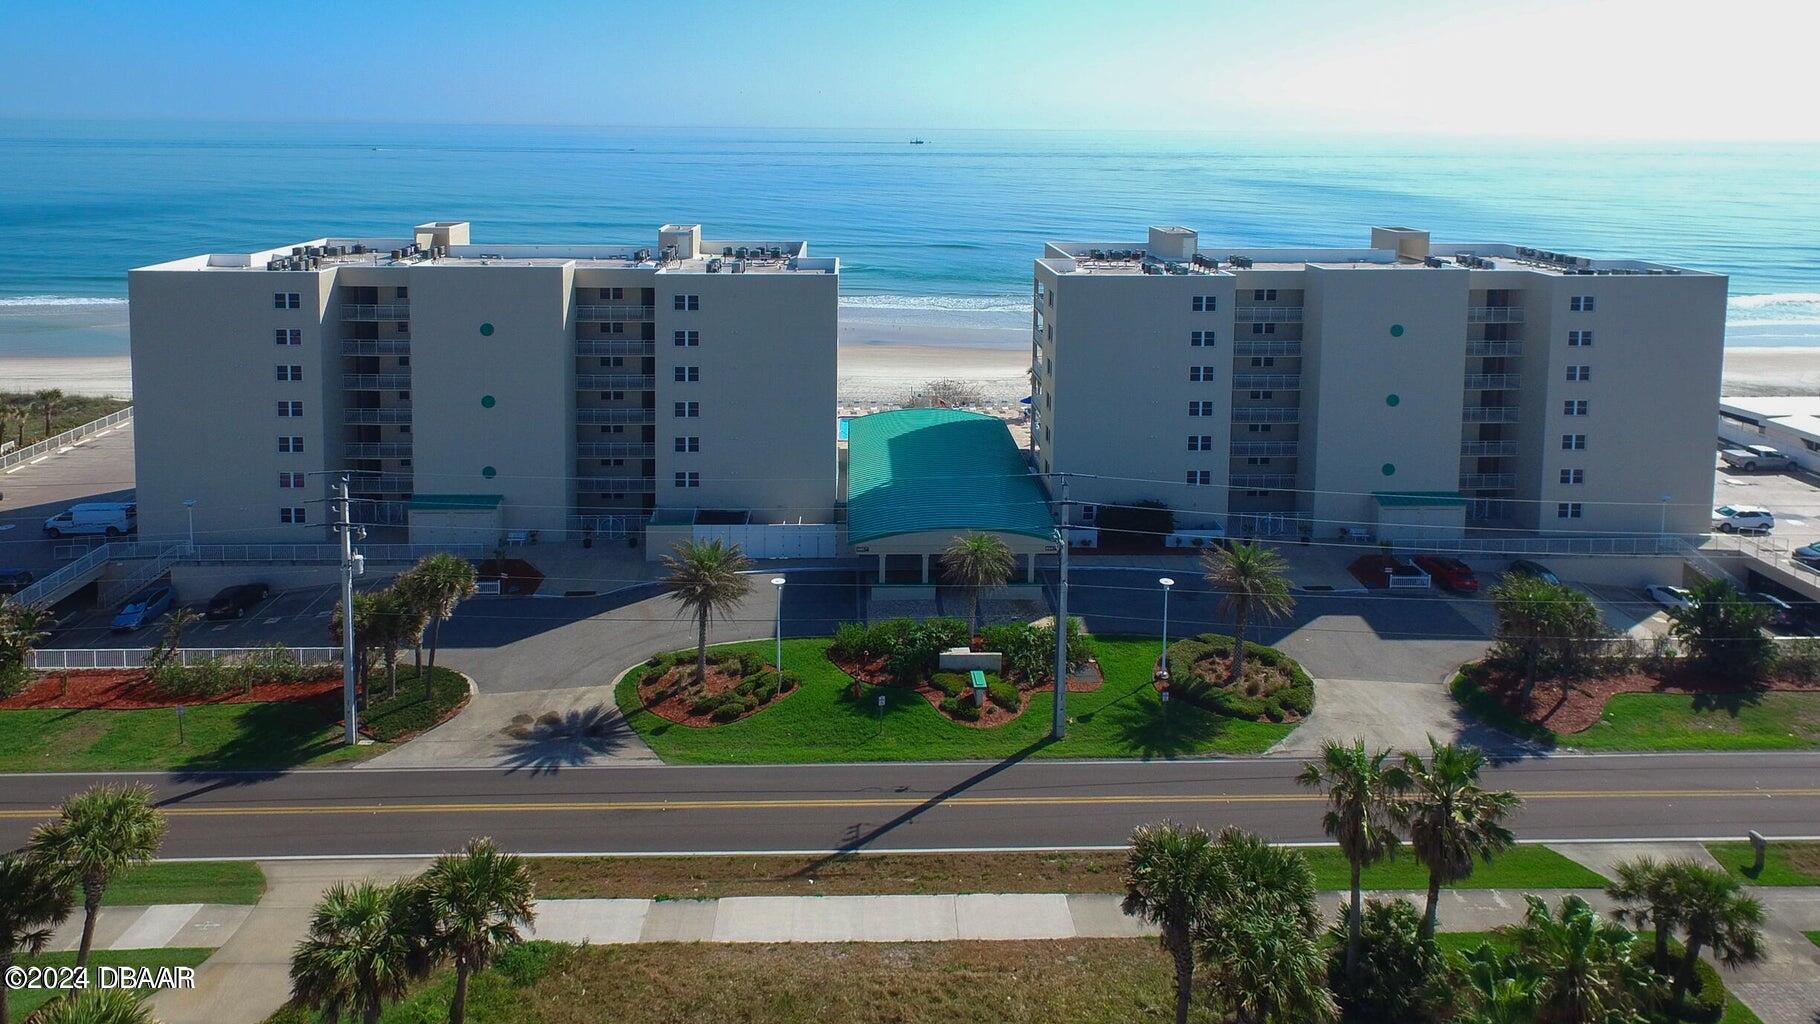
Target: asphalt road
1009, 804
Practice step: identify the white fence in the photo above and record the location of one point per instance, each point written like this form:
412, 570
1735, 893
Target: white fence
86, 658
276, 554
776, 540
51, 444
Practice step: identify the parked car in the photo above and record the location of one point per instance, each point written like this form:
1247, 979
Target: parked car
1451, 573
143, 609
1525, 567
107, 518
1743, 519
1807, 555
1782, 616
234, 602
14, 580
1670, 598
1752, 457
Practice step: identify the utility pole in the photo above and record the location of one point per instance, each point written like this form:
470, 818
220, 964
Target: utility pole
352, 565
1059, 727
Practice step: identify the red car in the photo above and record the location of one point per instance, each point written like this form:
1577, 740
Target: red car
1451, 573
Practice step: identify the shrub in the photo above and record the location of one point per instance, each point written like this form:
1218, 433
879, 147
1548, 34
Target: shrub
728, 711
706, 705
1030, 650
528, 963
789, 681
750, 663
851, 641
1294, 698
1799, 659
661, 663
1002, 693
13, 678
952, 684
1401, 976
961, 708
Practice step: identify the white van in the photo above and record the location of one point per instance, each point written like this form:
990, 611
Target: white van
111, 518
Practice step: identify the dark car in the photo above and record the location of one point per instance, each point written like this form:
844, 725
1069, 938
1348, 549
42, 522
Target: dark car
1451, 573
14, 580
1781, 617
1525, 567
235, 601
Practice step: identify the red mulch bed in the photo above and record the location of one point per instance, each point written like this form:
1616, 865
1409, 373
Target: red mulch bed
1084, 680
1371, 570
132, 690
515, 575
675, 706
1571, 706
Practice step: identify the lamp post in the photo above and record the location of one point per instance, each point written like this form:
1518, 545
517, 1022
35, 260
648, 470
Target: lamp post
1662, 530
1163, 659
189, 511
778, 582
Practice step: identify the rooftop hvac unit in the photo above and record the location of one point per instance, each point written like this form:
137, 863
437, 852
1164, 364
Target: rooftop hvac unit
1098, 254
714, 265
296, 250
359, 249
398, 254
739, 266
1434, 261
1242, 262
726, 250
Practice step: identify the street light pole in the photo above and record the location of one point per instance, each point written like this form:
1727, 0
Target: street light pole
189, 511
1058, 727
778, 582
1163, 659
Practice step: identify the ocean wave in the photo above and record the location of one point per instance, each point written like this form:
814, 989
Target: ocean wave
58, 300
941, 303
1775, 308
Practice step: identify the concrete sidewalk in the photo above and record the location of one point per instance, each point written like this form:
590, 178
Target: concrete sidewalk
170, 926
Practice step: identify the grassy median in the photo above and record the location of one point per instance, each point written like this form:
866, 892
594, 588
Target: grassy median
1783, 863
1668, 721
208, 881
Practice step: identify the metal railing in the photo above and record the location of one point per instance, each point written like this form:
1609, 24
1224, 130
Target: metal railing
614, 347
1265, 448
1267, 414
1271, 347
380, 483
76, 659
615, 381
1272, 381
1487, 449
323, 554
605, 526
1493, 381
389, 414
1267, 314
376, 381
54, 587
380, 513
377, 449
1494, 315
615, 450
619, 312
376, 346
1489, 414
1494, 347
51, 444
590, 483
1263, 480
610, 415
1487, 481
390, 311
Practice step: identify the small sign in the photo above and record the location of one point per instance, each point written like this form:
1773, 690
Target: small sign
881, 700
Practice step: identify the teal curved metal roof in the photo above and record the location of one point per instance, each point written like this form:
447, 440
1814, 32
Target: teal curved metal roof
916, 470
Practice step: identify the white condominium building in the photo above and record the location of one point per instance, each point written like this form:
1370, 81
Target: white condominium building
481, 390
1403, 389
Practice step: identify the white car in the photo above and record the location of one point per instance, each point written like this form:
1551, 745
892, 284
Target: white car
1670, 598
1743, 519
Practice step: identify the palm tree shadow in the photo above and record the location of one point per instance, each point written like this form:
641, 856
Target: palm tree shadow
1174, 729
557, 740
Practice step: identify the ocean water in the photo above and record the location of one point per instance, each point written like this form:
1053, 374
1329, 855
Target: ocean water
942, 232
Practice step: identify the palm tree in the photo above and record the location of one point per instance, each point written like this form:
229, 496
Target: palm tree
1647, 897
1589, 972
100, 831
977, 561
21, 627
366, 637
410, 590
1451, 819
705, 579
47, 402
1362, 795
479, 899
394, 622
34, 900
1259, 940
1715, 913
365, 946
1499, 988
440, 582
96, 1006
14, 411
1253, 578
1168, 880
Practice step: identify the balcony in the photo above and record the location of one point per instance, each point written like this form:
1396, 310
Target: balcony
1286, 347
614, 347
1494, 314
380, 483
1263, 481
390, 414
593, 483
614, 382
394, 311
1494, 347
376, 381
1267, 381
603, 415
380, 513
603, 314
1487, 481
1272, 449
615, 450
1267, 414
1487, 449
1492, 381
376, 346
1268, 314
1489, 414
377, 449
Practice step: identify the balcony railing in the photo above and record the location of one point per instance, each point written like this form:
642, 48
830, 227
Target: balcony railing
1267, 414
1493, 381
1489, 414
380, 483
618, 312
380, 513
1487, 481
614, 382
1263, 480
600, 484
1268, 314
390, 414
376, 346
377, 449
607, 415
614, 347
615, 450
1494, 347
1494, 315
393, 311
1271, 449
376, 381
1271, 381
1285, 347
1487, 449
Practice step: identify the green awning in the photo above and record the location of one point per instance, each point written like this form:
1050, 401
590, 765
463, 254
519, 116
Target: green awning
922, 470
455, 502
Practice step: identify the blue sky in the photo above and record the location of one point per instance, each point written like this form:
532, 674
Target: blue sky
1662, 69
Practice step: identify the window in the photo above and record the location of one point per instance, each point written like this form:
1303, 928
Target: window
1580, 304
688, 374
287, 300
1263, 328
1264, 295
1201, 339
1257, 428
1206, 303
1579, 339
690, 479
1200, 477
1200, 408
1257, 494
1263, 396
404, 360
1574, 407
688, 410
289, 372
290, 445
1263, 360
688, 444
292, 516
1200, 442
1201, 374
288, 336
690, 302
290, 410
1089, 513
402, 293
290, 481
688, 339
1573, 476
1573, 442
1567, 510
404, 396
1580, 372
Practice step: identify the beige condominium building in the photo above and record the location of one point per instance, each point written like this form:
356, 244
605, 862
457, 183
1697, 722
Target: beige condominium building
1405, 389
482, 391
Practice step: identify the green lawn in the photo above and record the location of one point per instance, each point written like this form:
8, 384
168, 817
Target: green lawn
821, 721
1813, 937
1523, 867
216, 736
21, 1002
1783, 863
211, 881
1668, 721
408, 713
